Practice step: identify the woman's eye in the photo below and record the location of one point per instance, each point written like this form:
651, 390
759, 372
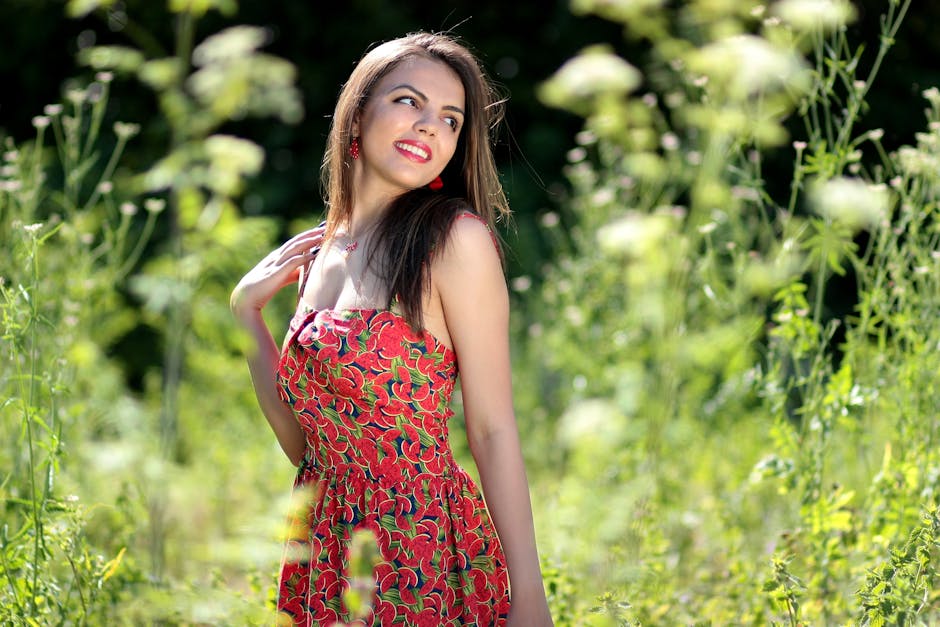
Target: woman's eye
408, 100
453, 123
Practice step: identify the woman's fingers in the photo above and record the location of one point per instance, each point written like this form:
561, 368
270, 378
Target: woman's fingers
278, 269
285, 270
300, 243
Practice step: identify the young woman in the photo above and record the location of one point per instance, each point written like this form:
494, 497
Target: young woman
401, 290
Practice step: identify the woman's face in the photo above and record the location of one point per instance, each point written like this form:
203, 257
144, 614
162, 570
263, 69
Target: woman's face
409, 127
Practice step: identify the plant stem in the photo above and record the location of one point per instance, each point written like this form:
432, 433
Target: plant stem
27, 417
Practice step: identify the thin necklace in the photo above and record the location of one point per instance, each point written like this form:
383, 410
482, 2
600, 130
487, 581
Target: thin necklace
353, 245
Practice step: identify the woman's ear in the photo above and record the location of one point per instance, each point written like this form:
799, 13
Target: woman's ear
354, 129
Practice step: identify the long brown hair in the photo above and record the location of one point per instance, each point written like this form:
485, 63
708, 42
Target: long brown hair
418, 221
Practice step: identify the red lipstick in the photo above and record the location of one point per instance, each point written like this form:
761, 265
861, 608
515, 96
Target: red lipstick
414, 150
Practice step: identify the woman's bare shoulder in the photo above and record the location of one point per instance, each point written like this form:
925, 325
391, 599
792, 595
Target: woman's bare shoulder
469, 229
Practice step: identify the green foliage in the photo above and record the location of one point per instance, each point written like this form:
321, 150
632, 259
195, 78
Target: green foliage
99, 525
902, 590
715, 450
707, 443
51, 570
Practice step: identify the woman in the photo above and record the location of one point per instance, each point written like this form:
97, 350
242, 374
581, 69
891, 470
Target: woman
396, 290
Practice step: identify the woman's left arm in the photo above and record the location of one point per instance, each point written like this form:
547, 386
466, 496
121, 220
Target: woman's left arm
469, 279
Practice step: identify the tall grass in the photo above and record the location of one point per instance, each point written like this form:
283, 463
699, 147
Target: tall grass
49, 294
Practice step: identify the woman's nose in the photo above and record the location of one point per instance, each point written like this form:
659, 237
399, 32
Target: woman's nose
426, 124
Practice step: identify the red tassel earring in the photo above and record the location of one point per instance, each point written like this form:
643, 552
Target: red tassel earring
436, 184
354, 148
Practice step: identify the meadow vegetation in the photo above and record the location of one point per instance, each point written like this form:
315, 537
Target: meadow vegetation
709, 442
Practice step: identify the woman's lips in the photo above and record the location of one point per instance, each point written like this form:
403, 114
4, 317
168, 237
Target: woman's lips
416, 151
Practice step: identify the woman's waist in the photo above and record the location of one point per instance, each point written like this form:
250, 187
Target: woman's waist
385, 466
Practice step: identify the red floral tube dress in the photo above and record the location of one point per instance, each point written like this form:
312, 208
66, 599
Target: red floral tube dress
373, 398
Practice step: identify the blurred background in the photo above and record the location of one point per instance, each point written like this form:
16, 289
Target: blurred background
722, 362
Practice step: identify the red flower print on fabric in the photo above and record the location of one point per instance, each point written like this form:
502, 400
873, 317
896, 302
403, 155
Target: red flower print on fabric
373, 398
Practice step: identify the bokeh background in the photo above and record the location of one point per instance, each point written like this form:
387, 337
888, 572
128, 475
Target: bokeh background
722, 264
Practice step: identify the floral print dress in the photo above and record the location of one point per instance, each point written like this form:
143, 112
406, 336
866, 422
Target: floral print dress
373, 399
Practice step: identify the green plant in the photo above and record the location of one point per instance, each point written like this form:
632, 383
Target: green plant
99, 475
687, 331
49, 570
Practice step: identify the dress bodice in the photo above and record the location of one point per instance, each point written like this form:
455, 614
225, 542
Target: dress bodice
364, 376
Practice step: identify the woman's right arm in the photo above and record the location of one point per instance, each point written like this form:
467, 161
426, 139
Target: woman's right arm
254, 290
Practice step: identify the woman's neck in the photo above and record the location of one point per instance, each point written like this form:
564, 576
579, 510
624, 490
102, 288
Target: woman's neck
371, 198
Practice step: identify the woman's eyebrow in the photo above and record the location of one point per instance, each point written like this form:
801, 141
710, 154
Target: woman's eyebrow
420, 95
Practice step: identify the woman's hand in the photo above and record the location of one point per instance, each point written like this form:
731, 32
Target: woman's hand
272, 273
248, 298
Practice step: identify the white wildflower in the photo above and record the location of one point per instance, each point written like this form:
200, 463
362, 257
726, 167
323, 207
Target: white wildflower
126, 130
746, 65
521, 283
154, 205
603, 196
815, 15
915, 162
850, 201
932, 95
669, 141
550, 219
635, 234
576, 154
595, 72
585, 138
76, 96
